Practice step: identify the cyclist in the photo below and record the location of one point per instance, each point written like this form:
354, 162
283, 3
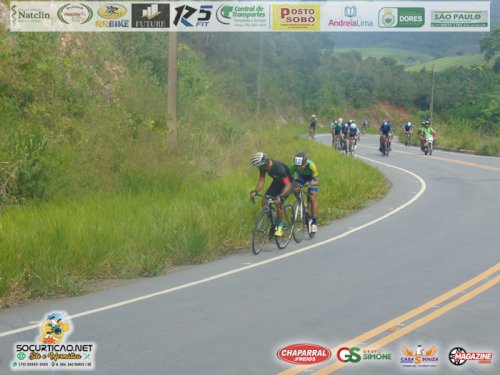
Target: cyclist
425, 133
336, 131
307, 173
312, 126
364, 125
345, 136
353, 134
385, 130
281, 187
408, 128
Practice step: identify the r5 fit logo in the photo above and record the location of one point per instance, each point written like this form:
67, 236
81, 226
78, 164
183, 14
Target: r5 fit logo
184, 13
346, 354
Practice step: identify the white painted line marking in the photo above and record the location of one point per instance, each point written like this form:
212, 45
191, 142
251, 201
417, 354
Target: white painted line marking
423, 187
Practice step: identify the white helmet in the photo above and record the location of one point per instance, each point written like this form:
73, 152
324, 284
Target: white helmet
259, 159
409, 123
353, 126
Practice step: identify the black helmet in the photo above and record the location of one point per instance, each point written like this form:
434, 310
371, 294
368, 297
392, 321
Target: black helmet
300, 158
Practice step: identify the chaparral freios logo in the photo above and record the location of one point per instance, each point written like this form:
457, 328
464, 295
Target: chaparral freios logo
304, 354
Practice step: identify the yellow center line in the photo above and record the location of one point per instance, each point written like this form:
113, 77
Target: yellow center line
410, 314
461, 162
417, 324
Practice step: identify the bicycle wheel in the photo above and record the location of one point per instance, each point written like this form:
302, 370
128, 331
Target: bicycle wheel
300, 226
261, 231
288, 225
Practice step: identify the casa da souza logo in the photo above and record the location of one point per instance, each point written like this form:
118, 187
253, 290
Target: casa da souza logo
420, 358
51, 349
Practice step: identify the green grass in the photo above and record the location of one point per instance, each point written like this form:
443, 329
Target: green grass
55, 248
405, 57
449, 61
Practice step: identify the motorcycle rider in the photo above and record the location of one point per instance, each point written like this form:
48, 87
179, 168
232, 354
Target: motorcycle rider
427, 132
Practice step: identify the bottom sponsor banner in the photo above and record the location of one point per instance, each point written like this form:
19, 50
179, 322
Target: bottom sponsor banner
51, 350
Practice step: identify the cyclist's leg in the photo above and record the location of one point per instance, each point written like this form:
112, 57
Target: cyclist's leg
314, 207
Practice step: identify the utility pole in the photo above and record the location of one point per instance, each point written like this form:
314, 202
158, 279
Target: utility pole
259, 76
172, 89
431, 107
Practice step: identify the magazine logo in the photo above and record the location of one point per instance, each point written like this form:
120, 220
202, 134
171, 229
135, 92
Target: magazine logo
459, 356
421, 358
351, 13
151, 16
51, 349
75, 13
27, 15
401, 17
304, 354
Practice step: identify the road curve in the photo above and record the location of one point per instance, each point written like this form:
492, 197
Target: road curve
419, 267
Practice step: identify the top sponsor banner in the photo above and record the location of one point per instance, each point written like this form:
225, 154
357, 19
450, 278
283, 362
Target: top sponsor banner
260, 16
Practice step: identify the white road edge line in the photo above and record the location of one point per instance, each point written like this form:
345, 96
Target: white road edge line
423, 187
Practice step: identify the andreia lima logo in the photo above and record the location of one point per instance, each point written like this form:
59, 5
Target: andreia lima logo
50, 350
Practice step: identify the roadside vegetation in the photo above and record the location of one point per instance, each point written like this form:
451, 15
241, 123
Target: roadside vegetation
91, 189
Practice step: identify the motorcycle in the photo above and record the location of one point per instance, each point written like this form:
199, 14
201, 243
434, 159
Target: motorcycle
428, 145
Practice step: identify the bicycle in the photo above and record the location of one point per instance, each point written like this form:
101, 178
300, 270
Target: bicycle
385, 146
302, 217
266, 224
407, 139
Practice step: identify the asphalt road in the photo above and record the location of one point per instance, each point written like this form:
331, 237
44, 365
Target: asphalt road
419, 267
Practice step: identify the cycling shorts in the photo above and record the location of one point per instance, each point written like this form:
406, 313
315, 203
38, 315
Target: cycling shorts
303, 180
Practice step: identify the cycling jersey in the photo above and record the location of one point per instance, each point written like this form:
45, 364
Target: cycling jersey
281, 175
386, 129
408, 127
353, 131
308, 174
313, 123
428, 132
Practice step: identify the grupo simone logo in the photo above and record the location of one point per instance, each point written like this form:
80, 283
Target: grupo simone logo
75, 14
51, 349
304, 354
296, 17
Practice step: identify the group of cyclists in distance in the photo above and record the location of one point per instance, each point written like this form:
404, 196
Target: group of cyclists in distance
288, 178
